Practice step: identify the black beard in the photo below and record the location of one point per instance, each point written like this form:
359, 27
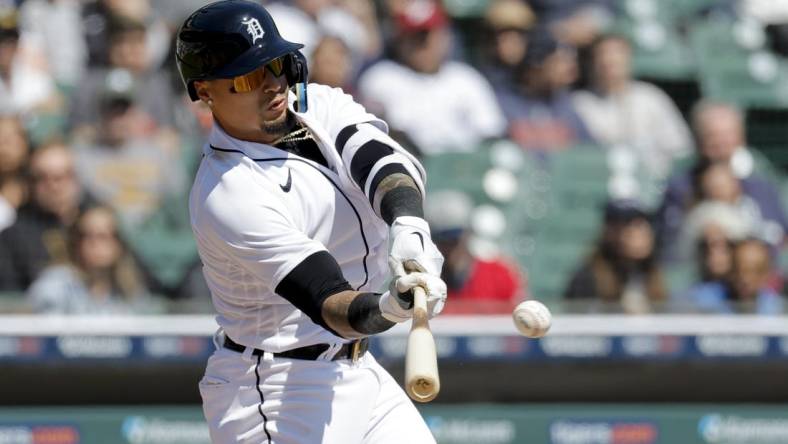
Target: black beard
280, 127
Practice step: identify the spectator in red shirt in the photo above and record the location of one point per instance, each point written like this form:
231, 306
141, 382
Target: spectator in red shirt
476, 284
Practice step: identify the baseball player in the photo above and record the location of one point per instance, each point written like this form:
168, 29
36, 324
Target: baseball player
301, 206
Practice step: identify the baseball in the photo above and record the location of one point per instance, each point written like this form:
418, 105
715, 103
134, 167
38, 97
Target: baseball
532, 319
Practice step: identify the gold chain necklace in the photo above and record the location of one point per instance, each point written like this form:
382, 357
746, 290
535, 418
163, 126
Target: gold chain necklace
294, 136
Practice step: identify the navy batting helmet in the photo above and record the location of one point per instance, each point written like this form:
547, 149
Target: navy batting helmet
234, 37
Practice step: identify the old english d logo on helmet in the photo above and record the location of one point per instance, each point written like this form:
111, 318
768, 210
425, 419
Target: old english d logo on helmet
254, 29
229, 38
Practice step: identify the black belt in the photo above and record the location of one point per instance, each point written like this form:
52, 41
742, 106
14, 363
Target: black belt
352, 350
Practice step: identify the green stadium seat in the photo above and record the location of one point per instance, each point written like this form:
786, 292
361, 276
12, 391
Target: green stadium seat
552, 245
45, 126
14, 302
687, 9
659, 52
165, 243
728, 70
460, 9
459, 171
554, 216
679, 277
731, 79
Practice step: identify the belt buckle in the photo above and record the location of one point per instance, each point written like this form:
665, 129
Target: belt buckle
355, 350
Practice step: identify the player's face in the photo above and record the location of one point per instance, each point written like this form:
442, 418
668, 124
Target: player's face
250, 107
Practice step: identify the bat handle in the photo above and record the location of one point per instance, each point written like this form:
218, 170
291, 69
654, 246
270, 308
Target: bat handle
420, 316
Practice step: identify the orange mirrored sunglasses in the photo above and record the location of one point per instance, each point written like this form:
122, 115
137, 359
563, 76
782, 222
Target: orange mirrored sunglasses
251, 81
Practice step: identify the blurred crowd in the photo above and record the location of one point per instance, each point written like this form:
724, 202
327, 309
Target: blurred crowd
99, 141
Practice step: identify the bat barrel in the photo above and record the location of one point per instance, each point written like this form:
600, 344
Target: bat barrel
421, 363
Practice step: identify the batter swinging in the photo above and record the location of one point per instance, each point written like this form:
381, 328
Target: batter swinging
300, 208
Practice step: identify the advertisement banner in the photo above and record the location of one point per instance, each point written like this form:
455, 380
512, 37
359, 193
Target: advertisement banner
450, 424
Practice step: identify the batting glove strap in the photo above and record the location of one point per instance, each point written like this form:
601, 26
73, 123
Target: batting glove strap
392, 309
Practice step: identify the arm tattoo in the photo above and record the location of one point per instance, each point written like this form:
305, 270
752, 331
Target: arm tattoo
397, 195
354, 315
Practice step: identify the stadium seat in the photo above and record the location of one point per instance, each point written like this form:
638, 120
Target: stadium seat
459, 171
559, 218
687, 9
734, 66
460, 9
165, 243
659, 52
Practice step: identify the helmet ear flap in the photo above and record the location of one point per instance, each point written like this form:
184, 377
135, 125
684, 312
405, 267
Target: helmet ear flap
297, 72
192, 91
297, 75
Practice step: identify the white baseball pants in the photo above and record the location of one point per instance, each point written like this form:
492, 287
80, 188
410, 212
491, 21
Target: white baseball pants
265, 400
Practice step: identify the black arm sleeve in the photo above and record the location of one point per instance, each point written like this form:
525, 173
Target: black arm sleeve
401, 201
311, 282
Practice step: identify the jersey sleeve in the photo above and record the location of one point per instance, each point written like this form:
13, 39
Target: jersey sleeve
368, 153
344, 111
260, 238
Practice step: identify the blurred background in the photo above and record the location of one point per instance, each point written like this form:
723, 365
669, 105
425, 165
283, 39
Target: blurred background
623, 161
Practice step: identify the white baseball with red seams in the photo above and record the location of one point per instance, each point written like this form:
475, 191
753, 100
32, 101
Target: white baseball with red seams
532, 319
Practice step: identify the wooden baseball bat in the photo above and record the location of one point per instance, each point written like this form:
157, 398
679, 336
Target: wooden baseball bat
421, 362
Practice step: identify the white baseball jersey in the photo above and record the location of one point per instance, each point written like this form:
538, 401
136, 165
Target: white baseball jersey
258, 211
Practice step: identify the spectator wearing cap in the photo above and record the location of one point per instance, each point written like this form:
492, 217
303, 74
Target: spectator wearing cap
129, 69
124, 166
508, 22
629, 114
441, 105
38, 237
475, 284
540, 112
719, 135
144, 182
23, 88
622, 272
746, 288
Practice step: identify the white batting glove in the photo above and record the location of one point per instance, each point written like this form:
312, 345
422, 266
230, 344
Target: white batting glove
411, 241
396, 305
